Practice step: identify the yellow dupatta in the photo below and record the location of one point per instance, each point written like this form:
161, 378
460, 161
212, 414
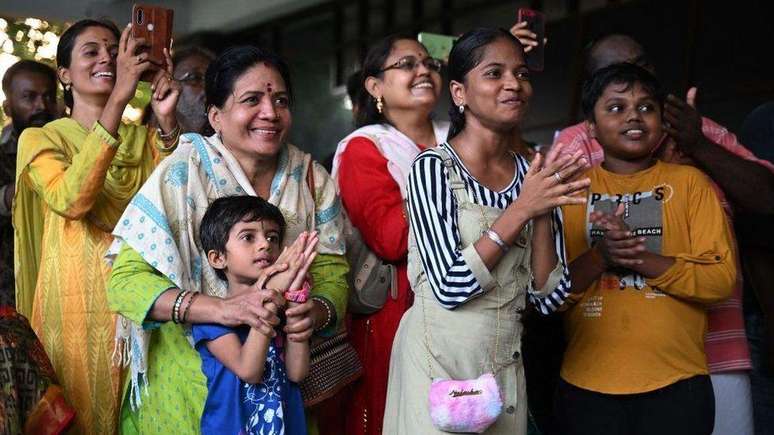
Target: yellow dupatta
76, 147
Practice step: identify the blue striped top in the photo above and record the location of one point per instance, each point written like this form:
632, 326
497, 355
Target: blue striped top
433, 219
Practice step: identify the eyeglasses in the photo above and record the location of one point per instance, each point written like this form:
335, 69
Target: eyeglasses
409, 63
191, 78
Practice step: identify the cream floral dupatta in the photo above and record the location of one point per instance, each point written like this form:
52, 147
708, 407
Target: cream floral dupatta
162, 224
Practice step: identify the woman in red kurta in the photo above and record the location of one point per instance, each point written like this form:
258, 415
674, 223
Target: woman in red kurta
371, 165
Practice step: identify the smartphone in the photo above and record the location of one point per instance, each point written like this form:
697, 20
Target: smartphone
438, 46
536, 23
154, 24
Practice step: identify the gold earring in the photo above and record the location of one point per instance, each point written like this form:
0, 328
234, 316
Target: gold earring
379, 105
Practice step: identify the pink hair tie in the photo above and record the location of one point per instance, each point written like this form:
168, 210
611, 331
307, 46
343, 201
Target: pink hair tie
301, 295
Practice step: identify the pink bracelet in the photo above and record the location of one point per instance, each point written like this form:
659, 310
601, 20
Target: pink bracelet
301, 295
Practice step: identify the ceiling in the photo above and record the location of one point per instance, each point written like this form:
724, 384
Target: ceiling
190, 15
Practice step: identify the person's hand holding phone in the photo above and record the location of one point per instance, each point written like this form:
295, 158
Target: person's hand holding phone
530, 29
166, 92
131, 63
527, 37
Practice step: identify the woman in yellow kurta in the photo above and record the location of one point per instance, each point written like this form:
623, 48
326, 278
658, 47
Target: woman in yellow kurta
74, 178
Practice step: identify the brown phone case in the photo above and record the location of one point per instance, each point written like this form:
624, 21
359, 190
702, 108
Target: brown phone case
154, 24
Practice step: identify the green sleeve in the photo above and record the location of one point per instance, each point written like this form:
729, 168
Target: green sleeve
134, 287
329, 274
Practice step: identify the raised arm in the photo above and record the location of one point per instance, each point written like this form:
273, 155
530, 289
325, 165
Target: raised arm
746, 180
68, 186
458, 273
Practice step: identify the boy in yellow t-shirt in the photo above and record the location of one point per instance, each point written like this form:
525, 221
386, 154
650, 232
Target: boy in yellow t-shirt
648, 251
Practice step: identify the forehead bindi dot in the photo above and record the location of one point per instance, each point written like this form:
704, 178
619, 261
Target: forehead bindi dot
269, 87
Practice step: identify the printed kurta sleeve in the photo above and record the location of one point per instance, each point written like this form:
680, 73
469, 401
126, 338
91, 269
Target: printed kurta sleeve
373, 201
707, 273
329, 269
70, 188
454, 273
134, 286
329, 278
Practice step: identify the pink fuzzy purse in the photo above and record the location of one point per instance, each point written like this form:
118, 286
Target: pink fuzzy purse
469, 406
464, 406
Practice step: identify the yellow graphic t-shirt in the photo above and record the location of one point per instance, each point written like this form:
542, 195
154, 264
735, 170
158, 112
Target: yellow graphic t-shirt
629, 334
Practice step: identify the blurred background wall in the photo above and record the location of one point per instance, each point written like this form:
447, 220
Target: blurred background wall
724, 48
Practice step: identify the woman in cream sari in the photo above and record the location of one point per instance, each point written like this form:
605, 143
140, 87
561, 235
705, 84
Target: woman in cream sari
248, 98
74, 178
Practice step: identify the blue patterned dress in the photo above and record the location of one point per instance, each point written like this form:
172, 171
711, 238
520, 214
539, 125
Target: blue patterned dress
271, 407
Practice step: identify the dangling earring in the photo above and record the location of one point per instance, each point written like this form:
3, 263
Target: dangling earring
461, 108
220, 136
379, 105
67, 87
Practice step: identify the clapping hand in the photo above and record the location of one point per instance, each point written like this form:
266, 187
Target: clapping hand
551, 182
298, 257
618, 247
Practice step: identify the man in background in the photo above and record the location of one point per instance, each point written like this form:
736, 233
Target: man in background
190, 67
30, 101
